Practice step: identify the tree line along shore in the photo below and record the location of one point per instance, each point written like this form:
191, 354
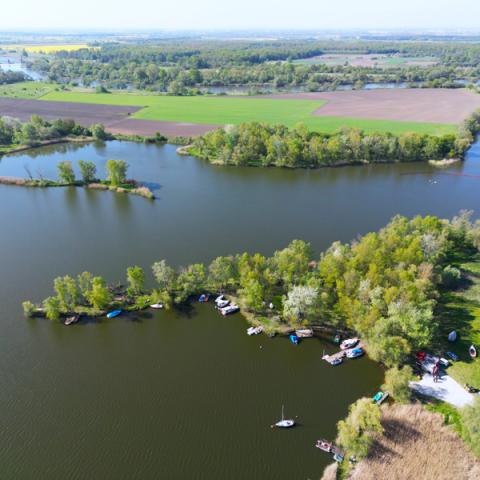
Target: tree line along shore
262, 145
385, 287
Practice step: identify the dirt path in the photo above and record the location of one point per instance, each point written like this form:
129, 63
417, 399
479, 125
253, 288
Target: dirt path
446, 389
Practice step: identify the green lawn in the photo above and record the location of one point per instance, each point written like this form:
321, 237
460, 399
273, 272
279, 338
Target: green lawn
231, 110
28, 90
460, 310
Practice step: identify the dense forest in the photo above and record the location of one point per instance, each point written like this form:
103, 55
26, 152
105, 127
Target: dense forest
264, 145
183, 66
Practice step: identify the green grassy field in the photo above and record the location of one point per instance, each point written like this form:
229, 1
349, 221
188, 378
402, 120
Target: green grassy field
28, 90
231, 110
460, 311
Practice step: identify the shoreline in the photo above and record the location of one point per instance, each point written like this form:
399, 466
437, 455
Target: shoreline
141, 190
46, 143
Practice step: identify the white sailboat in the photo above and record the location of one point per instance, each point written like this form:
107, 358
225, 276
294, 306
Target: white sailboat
285, 423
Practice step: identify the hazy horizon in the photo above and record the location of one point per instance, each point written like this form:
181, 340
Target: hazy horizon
215, 15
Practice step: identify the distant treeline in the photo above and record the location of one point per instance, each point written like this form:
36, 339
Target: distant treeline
37, 130
258, 144
180, 67
12, 77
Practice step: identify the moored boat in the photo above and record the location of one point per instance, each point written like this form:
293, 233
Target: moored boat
348, 343
285, 422
294, 339
229, 309
304, 333
335, 361
324, 445
254, 330
221, 301
114, 313
204, 298
380, 397
156, 305
72, 319
355, 352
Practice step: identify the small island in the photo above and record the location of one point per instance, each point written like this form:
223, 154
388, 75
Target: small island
116, 179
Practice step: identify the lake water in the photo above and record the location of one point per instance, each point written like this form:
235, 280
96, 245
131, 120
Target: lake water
181, 394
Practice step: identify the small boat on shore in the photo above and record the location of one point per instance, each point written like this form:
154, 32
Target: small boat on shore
348, 343
380, 397
472, 351
324, 445
304, 333
294, 339
229, 309
452, 336
254, 330
114, 313
284, 422
355, 352
156, 306
72, 319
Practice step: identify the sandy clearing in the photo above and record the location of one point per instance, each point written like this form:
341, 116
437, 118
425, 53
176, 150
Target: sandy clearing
433, 105
446, 389
116, 119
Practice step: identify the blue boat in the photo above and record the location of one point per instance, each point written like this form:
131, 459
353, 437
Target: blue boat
294, 339
114, 313
355, 352
203, 298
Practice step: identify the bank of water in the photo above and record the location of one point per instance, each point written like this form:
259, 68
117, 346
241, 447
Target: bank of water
180, 394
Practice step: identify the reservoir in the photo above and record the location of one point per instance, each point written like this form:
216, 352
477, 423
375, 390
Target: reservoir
181, 394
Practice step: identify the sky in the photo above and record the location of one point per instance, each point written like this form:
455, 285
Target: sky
66, 15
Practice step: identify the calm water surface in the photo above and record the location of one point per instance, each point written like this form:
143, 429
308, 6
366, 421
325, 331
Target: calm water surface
185, 394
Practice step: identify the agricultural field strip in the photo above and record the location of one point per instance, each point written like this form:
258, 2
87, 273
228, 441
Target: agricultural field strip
235, 110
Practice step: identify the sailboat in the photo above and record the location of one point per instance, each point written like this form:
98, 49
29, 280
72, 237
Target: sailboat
285, 423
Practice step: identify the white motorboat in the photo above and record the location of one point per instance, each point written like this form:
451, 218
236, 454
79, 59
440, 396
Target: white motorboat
221, 301
156, 306
285, 422
349, 343
254, 330
229, 309
304, 333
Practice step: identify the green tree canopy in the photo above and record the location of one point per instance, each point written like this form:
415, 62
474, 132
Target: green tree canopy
356, 432
117, 171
